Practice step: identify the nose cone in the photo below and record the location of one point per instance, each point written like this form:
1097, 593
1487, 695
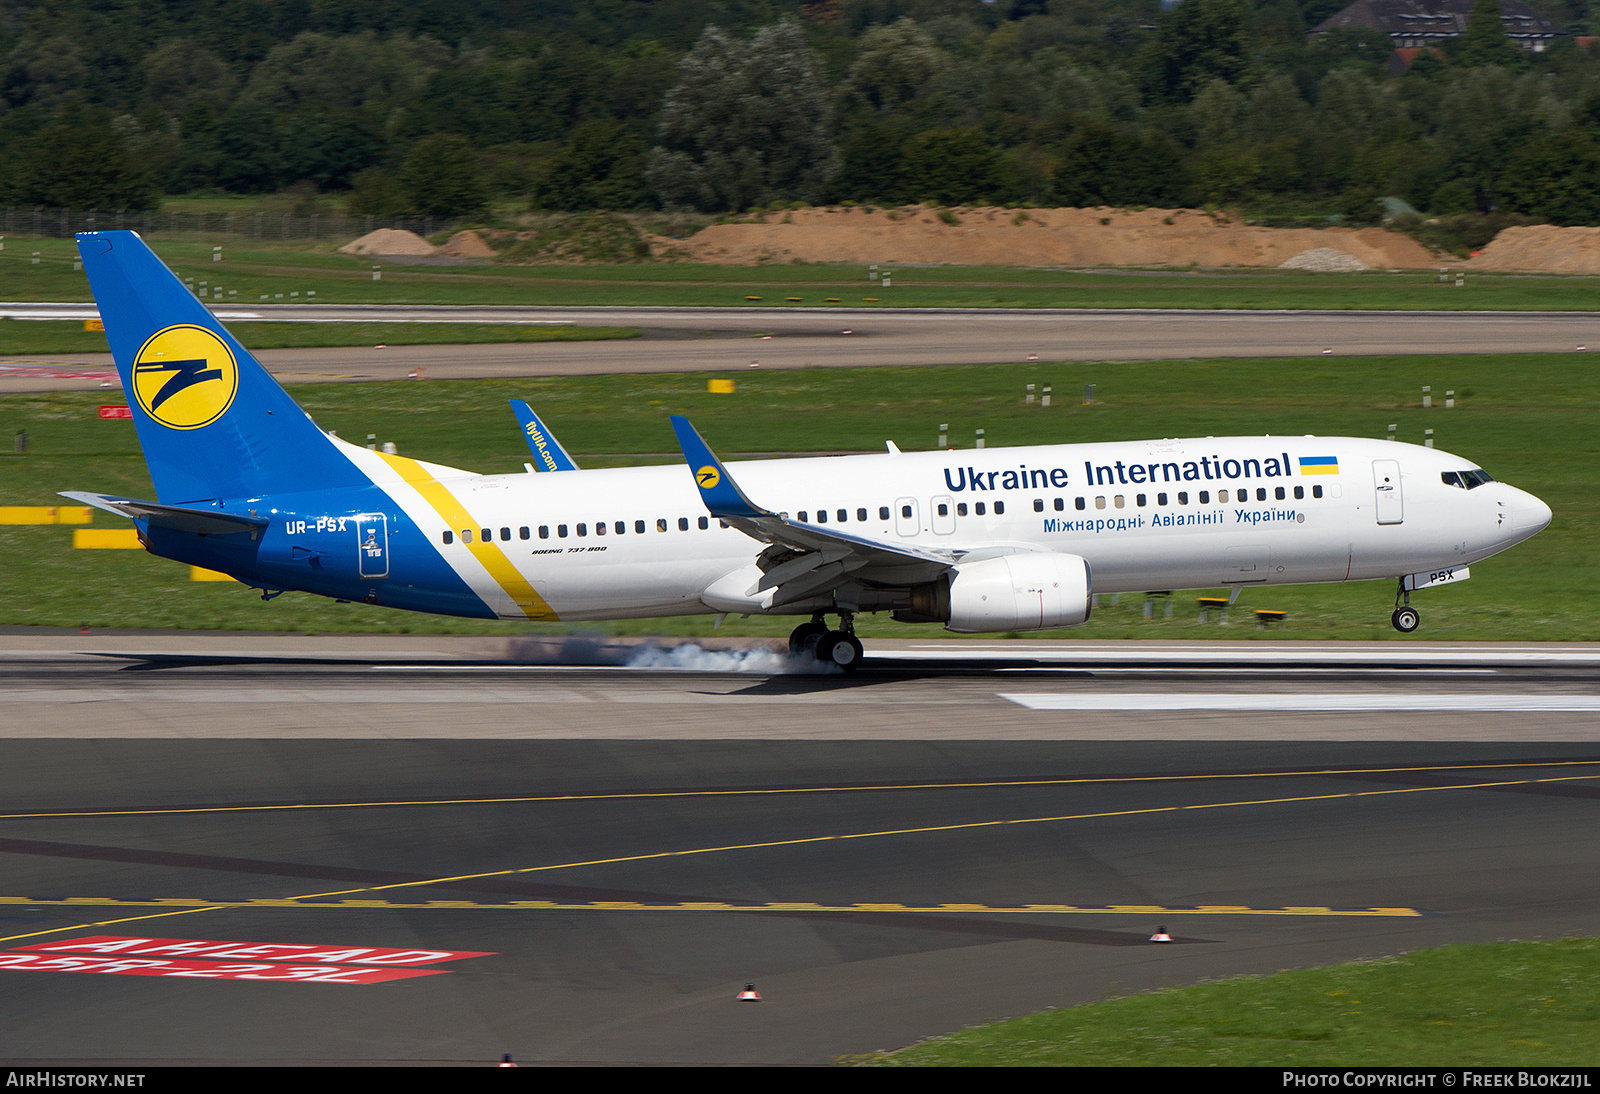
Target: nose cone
1529, 515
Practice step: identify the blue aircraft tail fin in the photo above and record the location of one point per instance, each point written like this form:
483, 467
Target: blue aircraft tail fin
212, 422
548, 455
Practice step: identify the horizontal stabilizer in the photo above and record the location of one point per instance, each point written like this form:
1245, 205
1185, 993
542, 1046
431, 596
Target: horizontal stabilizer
179, 518
548, 455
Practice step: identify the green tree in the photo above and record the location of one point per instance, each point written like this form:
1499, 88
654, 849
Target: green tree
747, 124
951, 167
1485, 41
602, 167
443, 177
1197, 42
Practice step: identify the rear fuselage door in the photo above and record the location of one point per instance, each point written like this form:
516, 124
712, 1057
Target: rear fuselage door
1386, 485
372, 544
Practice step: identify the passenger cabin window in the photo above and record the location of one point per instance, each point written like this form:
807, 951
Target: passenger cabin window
599, 528
620, 527
488, 535
999, 508
522, 533
1079, 504
1278, 493
705, 522
1161, 499
1205, 497
561, 531
683, 524
1139, 501
861, 515
638, 527
1261, 493
1038, 505
1299, 493
1183, 497
583, 529
1316, 491
544, 531
449, 536
944, 509
661, 524
978, 509
1061, 503
883, 512
961, 508
843, 515
822, 516
905, 511
466, 535
505, 535
804, 519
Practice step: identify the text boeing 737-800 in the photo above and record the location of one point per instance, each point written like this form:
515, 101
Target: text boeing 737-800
994, 540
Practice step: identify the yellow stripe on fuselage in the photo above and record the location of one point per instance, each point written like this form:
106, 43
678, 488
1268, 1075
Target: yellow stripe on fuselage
489, 554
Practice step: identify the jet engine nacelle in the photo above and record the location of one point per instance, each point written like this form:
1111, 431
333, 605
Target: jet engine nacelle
1020, 592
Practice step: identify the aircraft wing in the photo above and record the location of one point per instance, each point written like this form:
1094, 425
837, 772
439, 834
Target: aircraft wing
803, 558
548, 455
182, 518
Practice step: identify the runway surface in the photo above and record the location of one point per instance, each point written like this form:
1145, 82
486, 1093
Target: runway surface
722, 339
590, 851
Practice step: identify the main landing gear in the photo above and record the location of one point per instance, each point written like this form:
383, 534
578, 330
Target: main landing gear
840, 647
1405, 617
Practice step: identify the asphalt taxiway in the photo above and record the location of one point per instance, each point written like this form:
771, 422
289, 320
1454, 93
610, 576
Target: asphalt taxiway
629, 832
725, 339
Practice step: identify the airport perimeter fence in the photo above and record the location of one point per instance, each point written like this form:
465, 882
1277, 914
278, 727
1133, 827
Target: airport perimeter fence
218, 227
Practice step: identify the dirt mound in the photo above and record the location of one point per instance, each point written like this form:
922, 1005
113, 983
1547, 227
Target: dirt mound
1324, 260
389, 241
1032, 237
1542, 247
467, 244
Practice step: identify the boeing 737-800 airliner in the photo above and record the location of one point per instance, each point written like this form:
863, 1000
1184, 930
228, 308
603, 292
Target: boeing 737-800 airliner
1002, 539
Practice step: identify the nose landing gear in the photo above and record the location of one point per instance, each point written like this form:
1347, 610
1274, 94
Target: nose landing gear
841, 647
1405, 617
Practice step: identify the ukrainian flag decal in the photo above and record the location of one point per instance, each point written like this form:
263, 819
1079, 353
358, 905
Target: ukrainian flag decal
185, 377
1319, 465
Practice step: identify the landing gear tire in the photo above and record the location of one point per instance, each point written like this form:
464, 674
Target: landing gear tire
1406, 620
843, 650
805, 637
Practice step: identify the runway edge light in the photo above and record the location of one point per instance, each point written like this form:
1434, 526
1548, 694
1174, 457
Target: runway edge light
749, 995
1161, 935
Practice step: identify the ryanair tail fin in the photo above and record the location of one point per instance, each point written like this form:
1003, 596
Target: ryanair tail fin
212, 422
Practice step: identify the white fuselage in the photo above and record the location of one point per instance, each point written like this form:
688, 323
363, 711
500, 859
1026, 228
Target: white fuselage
1147, 515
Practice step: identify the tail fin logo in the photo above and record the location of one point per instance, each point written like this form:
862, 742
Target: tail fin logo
707, 477
185, 377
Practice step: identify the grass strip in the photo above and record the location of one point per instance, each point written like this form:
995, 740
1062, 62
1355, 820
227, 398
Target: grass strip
251, 273
1499, 1005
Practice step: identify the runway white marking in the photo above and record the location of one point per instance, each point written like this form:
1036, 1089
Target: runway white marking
1470, 703
1252, 653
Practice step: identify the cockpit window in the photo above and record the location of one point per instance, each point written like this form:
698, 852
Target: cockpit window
1465, 480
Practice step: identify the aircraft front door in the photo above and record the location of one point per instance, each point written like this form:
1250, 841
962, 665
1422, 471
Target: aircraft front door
372, 544
1386, 484
906, 521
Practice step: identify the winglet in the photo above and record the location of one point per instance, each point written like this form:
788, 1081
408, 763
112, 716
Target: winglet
721, 494
548, 455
